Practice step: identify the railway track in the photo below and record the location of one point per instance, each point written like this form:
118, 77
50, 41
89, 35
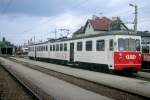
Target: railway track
145, 70
86, 84
134, 76
12, 88
35, 92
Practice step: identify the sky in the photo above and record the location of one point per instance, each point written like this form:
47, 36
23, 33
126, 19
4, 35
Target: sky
21, 20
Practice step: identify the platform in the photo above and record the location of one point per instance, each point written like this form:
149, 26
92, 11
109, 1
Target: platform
135, 86
59, 89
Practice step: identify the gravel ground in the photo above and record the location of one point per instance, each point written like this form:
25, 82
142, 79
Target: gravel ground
10, 89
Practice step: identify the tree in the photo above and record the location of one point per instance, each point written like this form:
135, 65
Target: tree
3, 39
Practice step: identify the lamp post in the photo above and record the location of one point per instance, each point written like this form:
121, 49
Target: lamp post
135, 17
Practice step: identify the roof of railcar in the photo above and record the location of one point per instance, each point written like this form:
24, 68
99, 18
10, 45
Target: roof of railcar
102, 34
144, 34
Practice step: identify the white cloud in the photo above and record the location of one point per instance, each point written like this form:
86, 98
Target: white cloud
114, 3
22, 27
18, 28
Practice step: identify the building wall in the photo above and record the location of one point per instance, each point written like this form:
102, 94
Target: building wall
89, 30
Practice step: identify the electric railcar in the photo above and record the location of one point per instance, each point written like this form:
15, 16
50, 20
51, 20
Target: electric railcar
119, 51
145, 52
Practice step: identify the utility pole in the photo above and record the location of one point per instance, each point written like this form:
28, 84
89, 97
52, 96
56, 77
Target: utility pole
135, 17
65, 30
55, 31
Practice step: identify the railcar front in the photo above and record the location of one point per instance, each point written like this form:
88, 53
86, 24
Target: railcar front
128, 55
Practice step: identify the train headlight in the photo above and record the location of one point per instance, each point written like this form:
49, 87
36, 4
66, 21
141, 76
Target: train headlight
120, 56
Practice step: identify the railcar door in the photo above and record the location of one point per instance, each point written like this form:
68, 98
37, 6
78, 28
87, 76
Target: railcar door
110, 54
72, 52
35, 52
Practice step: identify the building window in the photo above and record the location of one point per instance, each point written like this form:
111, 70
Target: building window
54, 47
65, 46
61, 47
89, 25
88, 45
51, 48
57, 47
100, 45
111, 45
79, 46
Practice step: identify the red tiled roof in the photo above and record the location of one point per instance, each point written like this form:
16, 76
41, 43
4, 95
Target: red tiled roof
100, 23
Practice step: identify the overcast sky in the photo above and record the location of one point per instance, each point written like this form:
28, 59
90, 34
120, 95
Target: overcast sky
21, 20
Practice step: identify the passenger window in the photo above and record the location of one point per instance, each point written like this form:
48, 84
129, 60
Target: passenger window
65, 46
57, 47
61, 47
137, 45
88, 45
100, 45
145, 49
40, 48
111, 46
43, 48
46, 48
53, 47
79, 46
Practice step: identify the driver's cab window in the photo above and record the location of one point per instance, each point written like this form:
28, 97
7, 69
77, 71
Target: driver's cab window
111, 45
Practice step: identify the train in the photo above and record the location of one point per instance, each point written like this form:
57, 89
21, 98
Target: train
112, 51
145, 43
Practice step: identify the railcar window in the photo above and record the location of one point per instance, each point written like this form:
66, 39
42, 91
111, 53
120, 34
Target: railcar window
53, 47
88, 45
65, 46
57, 47
137, 45
46, 48
111, 45
145, 49
132, 45
40, 48
43, 48
79, 46
61, 47
100, 45
129, 44
121, 44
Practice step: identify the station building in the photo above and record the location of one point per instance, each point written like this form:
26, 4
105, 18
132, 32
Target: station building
6, 48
